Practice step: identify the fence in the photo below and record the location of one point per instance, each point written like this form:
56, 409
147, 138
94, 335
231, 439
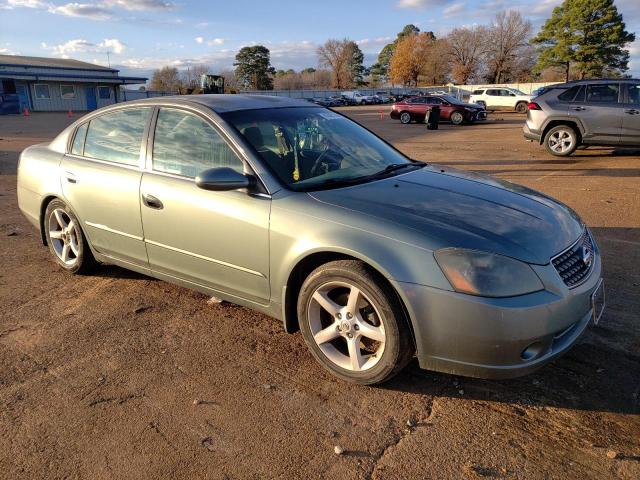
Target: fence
460, 91
126, 95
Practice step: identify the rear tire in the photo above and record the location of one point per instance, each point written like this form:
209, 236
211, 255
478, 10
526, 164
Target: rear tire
521, 107
66, 240
561, 141
405, 118
353, 323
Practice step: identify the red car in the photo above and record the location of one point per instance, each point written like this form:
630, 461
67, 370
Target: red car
451, 109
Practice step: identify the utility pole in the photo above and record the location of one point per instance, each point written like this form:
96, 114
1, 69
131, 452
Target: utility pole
108, 59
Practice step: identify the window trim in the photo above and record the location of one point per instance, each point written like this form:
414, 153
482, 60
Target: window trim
143, 144
619, 102
73, 138
35, 91
73, 87
238, 149
98, 91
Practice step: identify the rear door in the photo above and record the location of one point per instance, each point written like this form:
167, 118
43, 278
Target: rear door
631, 116
600, 108
219, 240
101, 181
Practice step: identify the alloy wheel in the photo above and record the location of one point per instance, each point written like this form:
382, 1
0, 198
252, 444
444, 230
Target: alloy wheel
405, 117
456, 118
346, 326
560, 141
63, 235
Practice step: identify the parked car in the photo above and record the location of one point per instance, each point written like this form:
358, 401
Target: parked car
298, 212
501, 98
338, 100
451, 109
385, 97
585, 112
359, 98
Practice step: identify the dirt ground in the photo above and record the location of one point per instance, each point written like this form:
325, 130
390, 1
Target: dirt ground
117, 375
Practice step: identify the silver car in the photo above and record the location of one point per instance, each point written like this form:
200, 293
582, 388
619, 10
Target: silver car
298, 212
587, 112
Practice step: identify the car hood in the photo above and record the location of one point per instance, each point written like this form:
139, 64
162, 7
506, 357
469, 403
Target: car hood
445, 207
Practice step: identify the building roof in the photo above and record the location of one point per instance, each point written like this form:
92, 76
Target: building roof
44, 62
221, 103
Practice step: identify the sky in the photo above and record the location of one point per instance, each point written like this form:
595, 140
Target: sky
142, 35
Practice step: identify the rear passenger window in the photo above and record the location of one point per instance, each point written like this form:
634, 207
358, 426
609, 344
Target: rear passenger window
117, 137
185, 144
478, 92
607, 93
569, 94
78, 140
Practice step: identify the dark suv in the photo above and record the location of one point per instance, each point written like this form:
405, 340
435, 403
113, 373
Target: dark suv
585, 112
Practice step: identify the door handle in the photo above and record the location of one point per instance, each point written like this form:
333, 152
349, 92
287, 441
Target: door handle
632, 111
152, 202
579, 109
70, 177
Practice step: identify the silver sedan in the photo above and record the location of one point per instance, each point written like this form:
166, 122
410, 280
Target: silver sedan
298, 212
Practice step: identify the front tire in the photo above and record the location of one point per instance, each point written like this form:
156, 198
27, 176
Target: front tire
405, 118
457, 118
66, 240
353, 323
561, 141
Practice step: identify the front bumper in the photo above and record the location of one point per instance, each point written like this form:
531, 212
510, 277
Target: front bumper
495, 337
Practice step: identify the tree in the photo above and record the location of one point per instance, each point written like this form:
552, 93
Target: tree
191, 76
381, 67
166, 79
344, 59
507, 39
410, 58
253, 68
588, 35
466, 51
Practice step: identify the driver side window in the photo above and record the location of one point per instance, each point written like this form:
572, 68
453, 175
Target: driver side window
186, 144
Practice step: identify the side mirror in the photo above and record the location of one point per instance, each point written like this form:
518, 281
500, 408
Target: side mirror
221, 179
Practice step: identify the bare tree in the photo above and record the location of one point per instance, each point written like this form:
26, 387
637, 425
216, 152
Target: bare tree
466, 50
231, 84
166, 79
507, 39
339, 57
191, 76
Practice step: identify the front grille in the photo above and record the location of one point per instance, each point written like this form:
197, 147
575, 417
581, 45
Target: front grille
576, 262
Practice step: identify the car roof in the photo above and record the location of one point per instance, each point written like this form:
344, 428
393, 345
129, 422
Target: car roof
221, 103
595, 80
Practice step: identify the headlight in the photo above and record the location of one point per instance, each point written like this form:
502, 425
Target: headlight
487, 274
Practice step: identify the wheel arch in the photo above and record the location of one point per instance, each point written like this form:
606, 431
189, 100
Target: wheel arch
309, 263
43, 208
562, 121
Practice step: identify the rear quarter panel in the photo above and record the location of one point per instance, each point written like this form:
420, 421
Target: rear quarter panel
38, 178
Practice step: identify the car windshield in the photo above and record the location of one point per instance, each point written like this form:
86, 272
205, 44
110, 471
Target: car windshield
313, 148
451, 99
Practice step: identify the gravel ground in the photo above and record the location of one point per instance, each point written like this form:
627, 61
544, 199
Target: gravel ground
117, 375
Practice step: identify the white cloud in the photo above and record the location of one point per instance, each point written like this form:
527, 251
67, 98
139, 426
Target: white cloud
86, 10
141, 5
215, 41
199, 40
26, 4
374, 42
454, 9
420, 4
112, 45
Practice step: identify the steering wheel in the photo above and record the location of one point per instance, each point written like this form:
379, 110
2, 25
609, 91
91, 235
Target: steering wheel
320, 164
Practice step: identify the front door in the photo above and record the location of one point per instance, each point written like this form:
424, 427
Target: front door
101, 181
23, 96
631, 118
92, 103
218, 240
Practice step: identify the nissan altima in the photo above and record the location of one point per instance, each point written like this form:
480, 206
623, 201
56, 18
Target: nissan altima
302, 214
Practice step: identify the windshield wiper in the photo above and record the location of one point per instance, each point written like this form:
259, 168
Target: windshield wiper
396, 166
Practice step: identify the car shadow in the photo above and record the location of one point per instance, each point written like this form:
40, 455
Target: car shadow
601, 372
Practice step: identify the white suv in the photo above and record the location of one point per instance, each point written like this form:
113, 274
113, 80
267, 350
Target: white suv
497, 98
359, 98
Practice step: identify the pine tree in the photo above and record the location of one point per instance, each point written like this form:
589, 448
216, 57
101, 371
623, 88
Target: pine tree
588, 36
253, 68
